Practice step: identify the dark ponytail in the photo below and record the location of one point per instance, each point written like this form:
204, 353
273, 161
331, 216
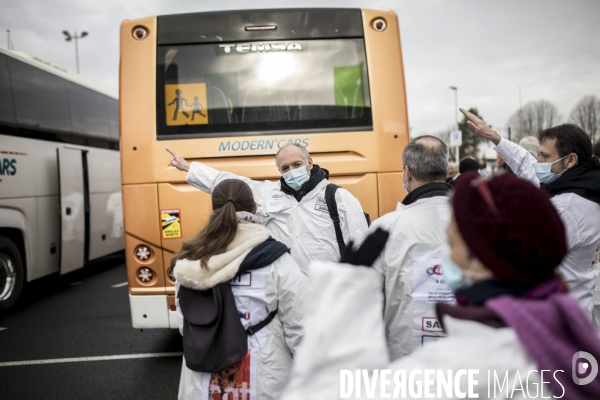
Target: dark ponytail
228, 197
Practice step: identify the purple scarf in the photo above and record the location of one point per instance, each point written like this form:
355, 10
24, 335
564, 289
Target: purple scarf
552, 327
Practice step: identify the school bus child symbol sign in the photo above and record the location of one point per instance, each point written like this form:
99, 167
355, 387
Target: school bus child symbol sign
186, 104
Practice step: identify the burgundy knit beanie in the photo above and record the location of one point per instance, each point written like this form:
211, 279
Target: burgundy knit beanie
510, 226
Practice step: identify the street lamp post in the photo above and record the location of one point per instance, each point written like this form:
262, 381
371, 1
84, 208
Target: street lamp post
456, 118
8, 41
68, 38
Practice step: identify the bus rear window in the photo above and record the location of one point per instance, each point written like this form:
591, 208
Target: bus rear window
262, 87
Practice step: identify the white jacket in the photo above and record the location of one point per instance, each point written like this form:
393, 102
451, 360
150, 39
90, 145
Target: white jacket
280, 286
412, 279
344, 331
581, 218
306, 226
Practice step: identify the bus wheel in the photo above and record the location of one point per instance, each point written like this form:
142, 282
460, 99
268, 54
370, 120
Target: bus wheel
11, 273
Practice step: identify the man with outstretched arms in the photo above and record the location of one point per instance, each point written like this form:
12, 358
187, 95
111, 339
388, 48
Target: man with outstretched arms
566, 169
293, 208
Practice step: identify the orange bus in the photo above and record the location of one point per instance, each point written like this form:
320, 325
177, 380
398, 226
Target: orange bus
229, 89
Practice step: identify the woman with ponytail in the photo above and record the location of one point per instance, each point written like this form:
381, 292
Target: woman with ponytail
268, 287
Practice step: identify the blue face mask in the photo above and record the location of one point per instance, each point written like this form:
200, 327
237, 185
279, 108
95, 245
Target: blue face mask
454, 276
544, 173
295, 178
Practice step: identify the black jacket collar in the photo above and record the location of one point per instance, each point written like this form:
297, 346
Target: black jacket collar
481, 292
426, 191
583, 180
317, 174
262, 255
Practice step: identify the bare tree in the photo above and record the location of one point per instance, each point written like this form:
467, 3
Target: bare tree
586, 114
532, 118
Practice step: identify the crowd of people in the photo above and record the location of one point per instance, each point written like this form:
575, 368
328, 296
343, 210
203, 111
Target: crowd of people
494, 273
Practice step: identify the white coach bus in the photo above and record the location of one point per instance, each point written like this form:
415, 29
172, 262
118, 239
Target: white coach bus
60, 186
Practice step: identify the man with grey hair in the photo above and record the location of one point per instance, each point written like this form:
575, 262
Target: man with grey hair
531, 144
293, 209
410, 263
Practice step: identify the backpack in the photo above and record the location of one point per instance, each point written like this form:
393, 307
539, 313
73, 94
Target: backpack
333, 212
213, 335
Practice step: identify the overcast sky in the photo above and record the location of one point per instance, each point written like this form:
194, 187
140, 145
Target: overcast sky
498, 53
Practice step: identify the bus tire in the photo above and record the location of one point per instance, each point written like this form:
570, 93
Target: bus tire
12, 274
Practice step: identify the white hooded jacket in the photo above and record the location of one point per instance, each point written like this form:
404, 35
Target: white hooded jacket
412, 279
257, 293
306, 226
581, 218
344, 333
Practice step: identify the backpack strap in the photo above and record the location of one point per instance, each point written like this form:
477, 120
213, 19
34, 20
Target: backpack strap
368, 218
255, 328
333, 213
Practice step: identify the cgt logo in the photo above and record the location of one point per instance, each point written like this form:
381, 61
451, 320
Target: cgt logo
435, 270
584, 364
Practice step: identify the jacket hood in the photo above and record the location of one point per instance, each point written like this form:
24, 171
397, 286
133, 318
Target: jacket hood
222, 267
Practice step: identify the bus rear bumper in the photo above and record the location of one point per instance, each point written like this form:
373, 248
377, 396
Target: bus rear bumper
151, 311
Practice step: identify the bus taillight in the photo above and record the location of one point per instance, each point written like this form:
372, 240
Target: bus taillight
143, 253
145, 275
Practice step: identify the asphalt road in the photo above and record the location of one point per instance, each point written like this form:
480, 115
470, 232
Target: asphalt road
81, 315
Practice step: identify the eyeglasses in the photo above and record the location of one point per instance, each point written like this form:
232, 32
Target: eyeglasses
484, 190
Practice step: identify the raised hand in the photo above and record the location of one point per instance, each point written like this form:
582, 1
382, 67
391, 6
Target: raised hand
480, 127
178, 161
